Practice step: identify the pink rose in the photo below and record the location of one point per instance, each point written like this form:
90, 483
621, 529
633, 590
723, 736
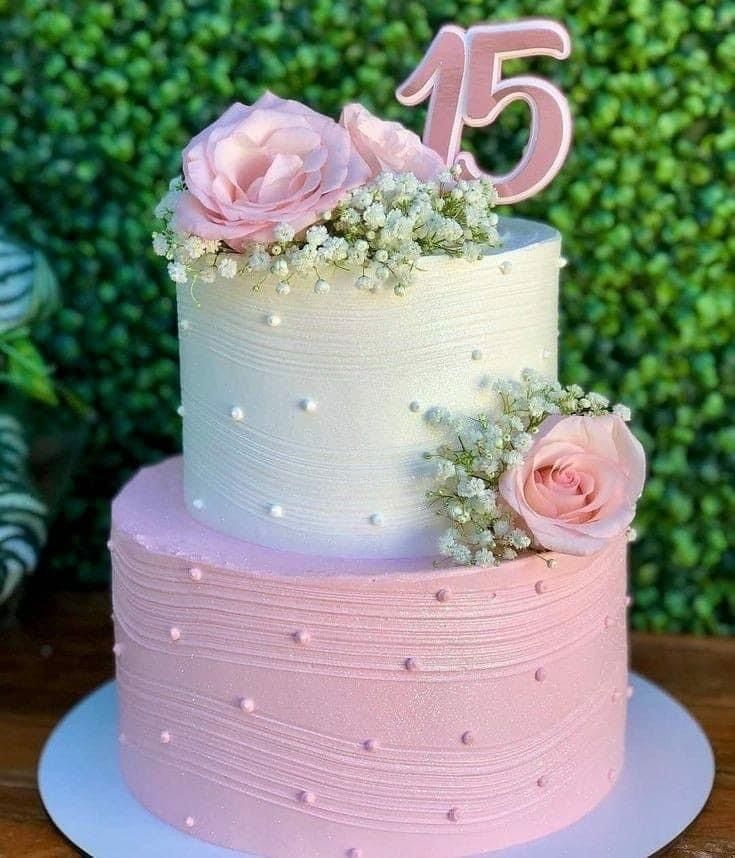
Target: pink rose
256, 167
578, 486
389, 146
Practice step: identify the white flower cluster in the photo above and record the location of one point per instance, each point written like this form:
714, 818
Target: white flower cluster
484, 530
379, 230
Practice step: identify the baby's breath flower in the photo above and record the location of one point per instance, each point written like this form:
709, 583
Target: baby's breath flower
227, 267
177, 272
283, 233
468, 470
160, 244
379, 230
622, 411
194, 247
315, 235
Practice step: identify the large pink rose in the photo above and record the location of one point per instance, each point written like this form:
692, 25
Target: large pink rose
389, 146
578, 486
255, 167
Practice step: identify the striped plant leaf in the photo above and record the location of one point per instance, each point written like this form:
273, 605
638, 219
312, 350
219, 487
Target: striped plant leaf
22, 514
28, 287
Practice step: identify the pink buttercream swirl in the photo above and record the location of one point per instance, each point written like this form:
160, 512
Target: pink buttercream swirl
387, 145
579, 484
274, 162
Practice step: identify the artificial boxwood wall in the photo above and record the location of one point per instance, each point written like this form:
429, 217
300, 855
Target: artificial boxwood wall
97, 100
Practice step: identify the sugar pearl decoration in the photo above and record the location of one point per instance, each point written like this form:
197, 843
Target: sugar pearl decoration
551, 562
540, 675
185, 324
321, 287
174, 633
283, 288
370, 744
541, 587
468, 738
632, 534
273, 320
301, 637
443, 595
237, 413
165, 737
628, 601
181, 411
477, 354
247, 705
411, 664
308, 405
198, 503
414, 406
307, 797
189, 822
275, 510
376, 519
542, 781
195, 573
453, 814
629, 691
506, 267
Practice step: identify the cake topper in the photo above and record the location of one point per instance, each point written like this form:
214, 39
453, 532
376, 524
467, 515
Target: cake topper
461, 75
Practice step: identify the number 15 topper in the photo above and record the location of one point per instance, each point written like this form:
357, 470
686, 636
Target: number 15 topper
461, 70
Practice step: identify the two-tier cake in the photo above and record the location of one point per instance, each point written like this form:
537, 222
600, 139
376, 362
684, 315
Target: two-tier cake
378, 608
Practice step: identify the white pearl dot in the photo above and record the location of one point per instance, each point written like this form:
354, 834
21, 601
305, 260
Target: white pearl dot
376, 519
198, 503
414, 406
477, 354
283, 288
275, 510
185, 324
189, 822
247, 705
174, 633
562, 262
273, 319
195, 573
180, 411
506, 267
165, 737
237, 413
308, 405
321, 287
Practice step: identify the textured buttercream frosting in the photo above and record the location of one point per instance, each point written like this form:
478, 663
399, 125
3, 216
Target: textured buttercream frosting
309, 707
304, 414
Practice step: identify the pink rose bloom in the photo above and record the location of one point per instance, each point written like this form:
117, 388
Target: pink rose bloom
578, 486
389, 146
256, 167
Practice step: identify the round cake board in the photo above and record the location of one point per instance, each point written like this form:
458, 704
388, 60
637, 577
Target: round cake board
667, 777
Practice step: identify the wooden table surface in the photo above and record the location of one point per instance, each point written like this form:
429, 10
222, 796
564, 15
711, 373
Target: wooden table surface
62, 650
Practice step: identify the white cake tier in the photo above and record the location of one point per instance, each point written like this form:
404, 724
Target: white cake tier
304, 414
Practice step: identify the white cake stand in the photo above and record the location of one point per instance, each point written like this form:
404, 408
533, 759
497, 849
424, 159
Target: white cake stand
668, 775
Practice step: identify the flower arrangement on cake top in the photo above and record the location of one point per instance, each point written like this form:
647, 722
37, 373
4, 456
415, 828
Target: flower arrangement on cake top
277, 191
548, 468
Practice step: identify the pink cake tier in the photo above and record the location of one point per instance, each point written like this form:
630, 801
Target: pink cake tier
303, 707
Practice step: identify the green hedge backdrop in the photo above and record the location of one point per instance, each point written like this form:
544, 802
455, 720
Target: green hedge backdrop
97, 100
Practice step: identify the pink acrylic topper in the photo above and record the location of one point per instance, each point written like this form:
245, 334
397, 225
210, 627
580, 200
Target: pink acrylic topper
461, 71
